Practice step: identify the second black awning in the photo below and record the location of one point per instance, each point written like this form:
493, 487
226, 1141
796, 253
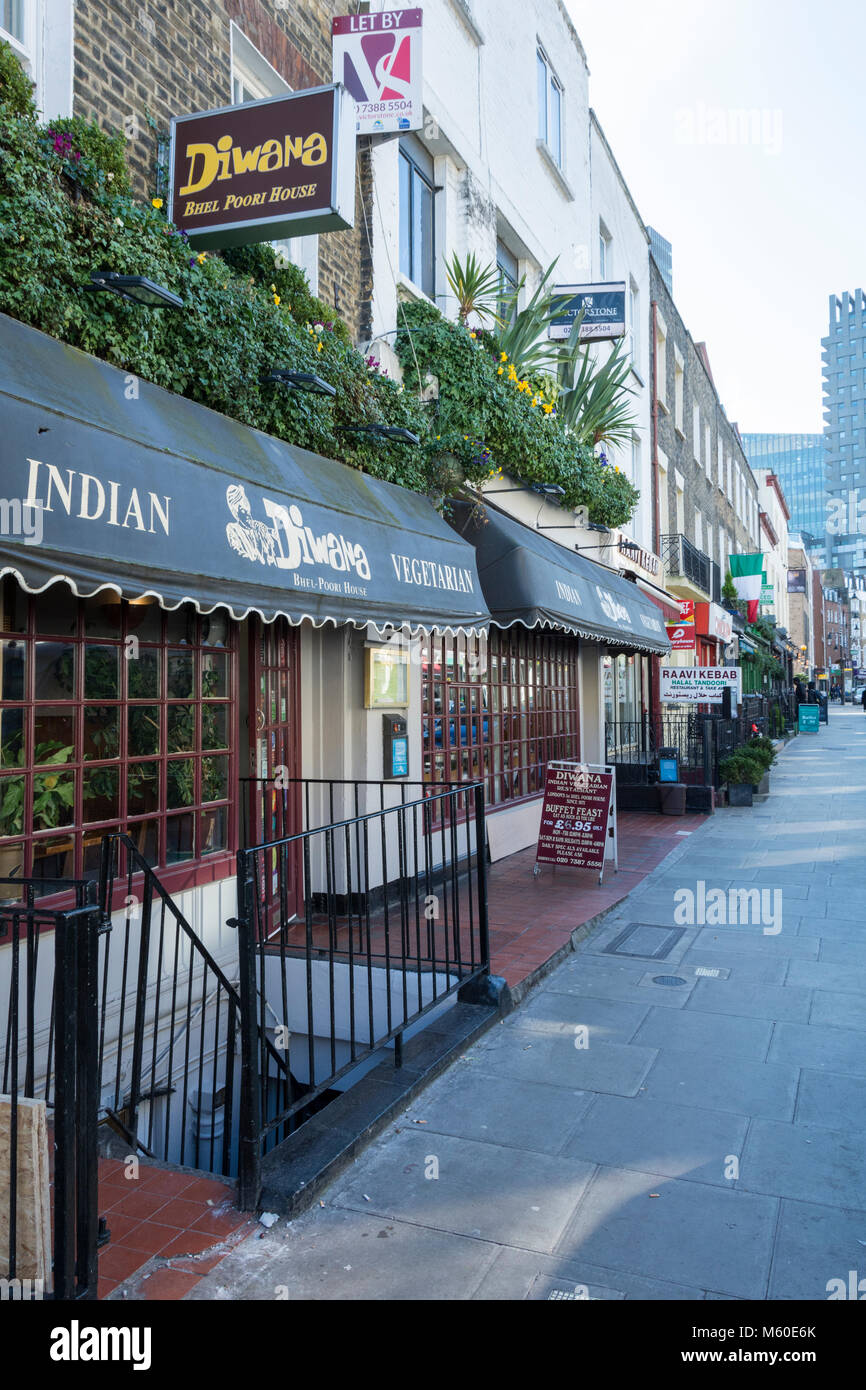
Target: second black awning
526, 578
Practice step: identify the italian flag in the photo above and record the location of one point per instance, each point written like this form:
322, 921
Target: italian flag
747, 572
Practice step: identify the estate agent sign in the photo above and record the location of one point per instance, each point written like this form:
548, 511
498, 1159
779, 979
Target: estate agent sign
603, 309
377, 57
284, 166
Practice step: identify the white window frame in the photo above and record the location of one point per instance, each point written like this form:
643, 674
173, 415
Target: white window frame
679, 388
45, 50
260, 79
551, 80
696, 431
708, 449
634, 319
661, 356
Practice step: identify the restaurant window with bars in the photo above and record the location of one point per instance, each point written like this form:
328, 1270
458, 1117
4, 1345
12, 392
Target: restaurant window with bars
115, 715
499, 706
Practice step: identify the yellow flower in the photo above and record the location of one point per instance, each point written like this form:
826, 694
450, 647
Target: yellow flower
547, 409
276, 299
156, 203
438, 436
201, 257
273, 289
499, 371
318, 347
503, 356
533, 401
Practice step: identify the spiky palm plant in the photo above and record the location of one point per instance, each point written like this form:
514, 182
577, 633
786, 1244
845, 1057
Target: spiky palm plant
593, 398
525, 339
476, 288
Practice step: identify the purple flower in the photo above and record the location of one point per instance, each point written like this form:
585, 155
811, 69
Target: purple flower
191, 262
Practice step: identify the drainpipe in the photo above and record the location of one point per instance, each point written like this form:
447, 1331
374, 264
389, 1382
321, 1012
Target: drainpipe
655, 435
654, 665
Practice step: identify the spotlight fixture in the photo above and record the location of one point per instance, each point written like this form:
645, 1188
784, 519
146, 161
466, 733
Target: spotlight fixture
381, 431
548, 489
299, 381
136, 289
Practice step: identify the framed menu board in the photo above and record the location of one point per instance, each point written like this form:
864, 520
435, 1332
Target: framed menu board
578, 816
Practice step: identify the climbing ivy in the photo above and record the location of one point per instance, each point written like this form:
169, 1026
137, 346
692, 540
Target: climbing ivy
66, 210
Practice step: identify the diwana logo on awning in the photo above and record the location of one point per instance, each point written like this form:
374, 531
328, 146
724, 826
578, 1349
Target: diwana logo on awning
288, 543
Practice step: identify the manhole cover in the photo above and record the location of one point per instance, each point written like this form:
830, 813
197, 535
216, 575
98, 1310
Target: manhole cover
668, 980
642, 939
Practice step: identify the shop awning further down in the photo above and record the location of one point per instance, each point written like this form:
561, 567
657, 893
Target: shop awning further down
147, 493
526, 578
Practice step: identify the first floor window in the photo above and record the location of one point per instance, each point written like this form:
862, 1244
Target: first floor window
506, 264
549, 107
417, 248
498, 707
12, 18
115, 716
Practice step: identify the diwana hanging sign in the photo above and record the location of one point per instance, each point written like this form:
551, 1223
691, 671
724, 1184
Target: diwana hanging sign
284, 166
377, 57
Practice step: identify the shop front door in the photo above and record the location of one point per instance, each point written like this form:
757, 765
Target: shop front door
275, 791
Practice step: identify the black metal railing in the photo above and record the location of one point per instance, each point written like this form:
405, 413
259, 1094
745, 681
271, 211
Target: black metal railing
49, 1086
684, 560
349, 933
700, 739
169, 1025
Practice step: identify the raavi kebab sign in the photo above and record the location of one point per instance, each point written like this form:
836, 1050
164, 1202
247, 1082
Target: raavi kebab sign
702, 685
377, 57
284, 166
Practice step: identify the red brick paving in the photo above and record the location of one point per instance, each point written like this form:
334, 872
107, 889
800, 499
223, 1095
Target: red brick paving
531, 918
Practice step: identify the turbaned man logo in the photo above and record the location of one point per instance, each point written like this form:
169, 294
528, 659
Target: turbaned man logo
250, 538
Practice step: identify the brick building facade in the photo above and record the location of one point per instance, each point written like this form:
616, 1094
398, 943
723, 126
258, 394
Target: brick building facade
137, 65
707, 493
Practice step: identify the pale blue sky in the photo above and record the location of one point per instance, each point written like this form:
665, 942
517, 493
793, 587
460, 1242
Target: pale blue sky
763, 230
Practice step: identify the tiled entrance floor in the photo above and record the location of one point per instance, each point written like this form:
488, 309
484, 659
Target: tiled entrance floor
167, 1229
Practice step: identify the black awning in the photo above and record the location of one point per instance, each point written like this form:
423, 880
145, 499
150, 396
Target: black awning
526, 578
145, 492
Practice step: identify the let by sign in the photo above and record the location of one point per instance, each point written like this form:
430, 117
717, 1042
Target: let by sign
284, 166
377, 57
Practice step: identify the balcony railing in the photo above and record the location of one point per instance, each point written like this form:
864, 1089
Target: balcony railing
684, 561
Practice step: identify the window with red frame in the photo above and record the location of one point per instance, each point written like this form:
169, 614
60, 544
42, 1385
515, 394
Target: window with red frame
115, 715
499, 707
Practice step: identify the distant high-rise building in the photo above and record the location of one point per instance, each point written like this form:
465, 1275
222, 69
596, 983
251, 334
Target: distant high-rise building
843, 355
663, 255
798, 462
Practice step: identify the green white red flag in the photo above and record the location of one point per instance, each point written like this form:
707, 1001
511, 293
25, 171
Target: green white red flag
747, 572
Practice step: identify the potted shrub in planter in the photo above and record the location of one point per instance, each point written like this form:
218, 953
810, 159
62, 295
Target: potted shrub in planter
742, 771
762, 748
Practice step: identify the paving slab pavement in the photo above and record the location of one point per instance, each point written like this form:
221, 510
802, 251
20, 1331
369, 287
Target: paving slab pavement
698, 1139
